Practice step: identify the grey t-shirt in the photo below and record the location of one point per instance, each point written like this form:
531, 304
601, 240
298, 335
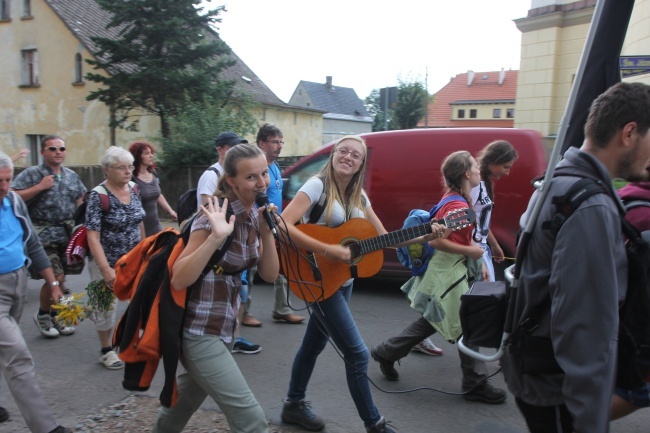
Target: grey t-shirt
149, 193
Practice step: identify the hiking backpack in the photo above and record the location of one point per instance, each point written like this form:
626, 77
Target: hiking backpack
151, 325
104, 202
633, 357
416, 256
77, 248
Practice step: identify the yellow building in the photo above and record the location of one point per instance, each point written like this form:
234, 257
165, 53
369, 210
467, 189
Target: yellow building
553, 37
44, 44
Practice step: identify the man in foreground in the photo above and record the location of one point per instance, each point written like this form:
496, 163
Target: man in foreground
583, 268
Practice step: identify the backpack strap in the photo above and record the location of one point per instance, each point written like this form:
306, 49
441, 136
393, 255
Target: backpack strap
565, 205
629, 205
568, 203
104, 202
436, 208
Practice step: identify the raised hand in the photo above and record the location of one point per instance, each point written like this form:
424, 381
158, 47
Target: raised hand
217, 216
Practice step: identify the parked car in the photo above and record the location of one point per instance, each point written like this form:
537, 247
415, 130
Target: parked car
403, 173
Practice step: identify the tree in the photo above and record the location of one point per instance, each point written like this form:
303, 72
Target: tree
412, 99
196, 127
165, 56
377, 112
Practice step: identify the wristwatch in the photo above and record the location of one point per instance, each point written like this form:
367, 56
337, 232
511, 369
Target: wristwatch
56, 283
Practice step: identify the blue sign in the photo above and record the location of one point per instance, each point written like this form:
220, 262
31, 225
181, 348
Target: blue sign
634, 65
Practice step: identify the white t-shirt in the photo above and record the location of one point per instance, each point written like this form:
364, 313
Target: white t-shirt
482, 204
314, 188
208, 183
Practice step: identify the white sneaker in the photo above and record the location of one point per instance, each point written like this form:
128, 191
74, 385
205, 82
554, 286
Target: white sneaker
46, 325
111, 361
427, 347
64, 330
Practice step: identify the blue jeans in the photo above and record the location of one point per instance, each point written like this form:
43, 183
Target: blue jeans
332, 318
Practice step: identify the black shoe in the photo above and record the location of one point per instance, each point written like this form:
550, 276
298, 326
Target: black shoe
387, 367
380, 427
299, 412
4, 415
60, 429
486, 393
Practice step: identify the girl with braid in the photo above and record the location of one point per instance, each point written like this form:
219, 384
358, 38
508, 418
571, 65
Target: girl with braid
495, 161
436, 293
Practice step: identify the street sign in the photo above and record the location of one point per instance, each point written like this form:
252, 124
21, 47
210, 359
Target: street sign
634, 65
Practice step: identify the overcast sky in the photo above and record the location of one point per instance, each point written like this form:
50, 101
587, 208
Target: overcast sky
367, 44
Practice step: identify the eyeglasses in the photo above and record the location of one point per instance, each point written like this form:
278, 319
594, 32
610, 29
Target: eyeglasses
354, 155
124, 168
276, 142
54, 149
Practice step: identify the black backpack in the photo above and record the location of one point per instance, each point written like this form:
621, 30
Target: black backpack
187, 202
633, 358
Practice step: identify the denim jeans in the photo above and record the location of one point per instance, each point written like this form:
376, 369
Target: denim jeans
332, 318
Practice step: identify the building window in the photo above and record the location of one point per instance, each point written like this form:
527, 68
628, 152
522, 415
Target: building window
29, 68
510, 113
33, 143
78, 69
5, 13
461, 114
27, 8
496, 113
472, 113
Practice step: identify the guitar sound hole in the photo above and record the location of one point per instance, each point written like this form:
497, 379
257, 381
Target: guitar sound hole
355, 251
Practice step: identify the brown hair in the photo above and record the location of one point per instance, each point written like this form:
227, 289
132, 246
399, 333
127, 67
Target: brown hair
453, 169
498, 152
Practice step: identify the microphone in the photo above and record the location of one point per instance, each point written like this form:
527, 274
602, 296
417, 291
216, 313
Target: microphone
263, 200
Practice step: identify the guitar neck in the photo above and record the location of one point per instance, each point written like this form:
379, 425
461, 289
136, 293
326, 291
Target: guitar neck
393, 238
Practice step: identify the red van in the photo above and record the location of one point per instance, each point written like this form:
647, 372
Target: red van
403, 173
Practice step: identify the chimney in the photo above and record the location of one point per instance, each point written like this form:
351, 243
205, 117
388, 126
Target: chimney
470, 78
328, 82
502, 76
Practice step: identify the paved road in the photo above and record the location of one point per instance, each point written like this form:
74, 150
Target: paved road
77, 385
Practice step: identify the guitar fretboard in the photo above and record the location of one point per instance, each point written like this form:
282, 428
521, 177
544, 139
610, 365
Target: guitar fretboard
389, 239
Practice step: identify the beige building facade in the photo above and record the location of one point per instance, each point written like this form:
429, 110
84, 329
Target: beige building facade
553, 38
43, 51
43, 91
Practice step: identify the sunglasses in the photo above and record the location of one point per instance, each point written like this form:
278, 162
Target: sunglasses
54, 149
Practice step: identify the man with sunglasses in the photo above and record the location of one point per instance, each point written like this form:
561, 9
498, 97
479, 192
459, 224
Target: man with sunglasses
52, 193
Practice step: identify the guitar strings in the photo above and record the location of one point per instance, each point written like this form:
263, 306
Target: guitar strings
308, 285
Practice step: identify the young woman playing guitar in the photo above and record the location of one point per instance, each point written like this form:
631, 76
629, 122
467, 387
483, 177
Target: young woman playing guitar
341, 179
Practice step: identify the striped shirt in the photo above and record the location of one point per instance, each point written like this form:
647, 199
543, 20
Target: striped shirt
214, 301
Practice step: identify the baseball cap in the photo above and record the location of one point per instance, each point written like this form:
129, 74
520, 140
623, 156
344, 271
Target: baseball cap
228, 138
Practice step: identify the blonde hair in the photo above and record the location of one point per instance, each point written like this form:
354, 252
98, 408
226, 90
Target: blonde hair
354, 190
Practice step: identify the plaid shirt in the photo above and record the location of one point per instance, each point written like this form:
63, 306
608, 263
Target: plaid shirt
214, 301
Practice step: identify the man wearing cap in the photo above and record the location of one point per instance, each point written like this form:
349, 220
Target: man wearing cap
208, 181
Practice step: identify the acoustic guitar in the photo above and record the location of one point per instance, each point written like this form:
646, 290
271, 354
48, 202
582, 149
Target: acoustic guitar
314, 277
